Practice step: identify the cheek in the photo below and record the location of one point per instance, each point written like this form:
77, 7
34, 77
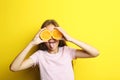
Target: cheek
57, 42
47, 44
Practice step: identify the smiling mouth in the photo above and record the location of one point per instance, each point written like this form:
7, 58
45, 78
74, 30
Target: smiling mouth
52, 43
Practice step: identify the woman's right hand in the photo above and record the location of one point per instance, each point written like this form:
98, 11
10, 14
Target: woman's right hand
37, 40
20, 63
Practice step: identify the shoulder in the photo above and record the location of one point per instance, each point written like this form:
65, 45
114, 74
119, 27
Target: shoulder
68, 48
70, 52
39, 52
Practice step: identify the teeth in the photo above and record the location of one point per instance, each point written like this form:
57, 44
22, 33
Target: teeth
52, 43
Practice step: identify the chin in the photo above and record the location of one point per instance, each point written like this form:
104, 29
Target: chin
52, 49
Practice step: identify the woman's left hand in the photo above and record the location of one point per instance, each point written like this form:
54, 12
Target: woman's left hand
65, 35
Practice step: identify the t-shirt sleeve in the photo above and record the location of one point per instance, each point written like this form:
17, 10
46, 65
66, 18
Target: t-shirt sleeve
34, 57
71, 52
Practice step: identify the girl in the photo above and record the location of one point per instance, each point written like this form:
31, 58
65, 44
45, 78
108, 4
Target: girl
54, 58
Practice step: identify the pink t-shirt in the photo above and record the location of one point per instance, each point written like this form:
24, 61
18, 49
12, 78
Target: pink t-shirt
55, 66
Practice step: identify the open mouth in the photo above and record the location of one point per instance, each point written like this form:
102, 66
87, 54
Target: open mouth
52, 43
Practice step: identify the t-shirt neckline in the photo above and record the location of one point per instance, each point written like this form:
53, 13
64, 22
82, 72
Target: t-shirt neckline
55, 54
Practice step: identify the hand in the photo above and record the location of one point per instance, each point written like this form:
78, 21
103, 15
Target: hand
37, 40
65, 35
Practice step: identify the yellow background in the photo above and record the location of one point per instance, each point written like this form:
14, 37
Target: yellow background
96, 22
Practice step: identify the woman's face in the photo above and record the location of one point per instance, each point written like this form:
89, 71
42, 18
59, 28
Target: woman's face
52, 44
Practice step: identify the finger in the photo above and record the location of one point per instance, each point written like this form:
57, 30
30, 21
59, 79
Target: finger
43, 40
60, 29
40, 31
63, 38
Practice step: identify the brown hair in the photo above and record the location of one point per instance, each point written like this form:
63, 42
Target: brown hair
62, 43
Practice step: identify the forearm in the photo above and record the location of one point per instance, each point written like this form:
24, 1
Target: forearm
20, 58
89, 49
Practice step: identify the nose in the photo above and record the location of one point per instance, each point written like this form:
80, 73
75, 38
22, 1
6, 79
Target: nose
51, 40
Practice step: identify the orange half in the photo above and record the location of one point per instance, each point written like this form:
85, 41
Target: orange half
56, 34
45, 35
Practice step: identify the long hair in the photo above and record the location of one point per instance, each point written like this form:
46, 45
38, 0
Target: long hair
43, 46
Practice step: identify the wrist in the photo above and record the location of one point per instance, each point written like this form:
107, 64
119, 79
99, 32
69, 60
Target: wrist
71, 40
32, 43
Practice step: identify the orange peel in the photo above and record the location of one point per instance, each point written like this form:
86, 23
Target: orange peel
56, 34
46, 34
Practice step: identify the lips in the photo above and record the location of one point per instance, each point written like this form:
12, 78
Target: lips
52, 43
